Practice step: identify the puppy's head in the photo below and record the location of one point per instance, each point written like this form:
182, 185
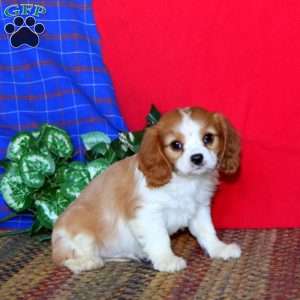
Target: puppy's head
189, 142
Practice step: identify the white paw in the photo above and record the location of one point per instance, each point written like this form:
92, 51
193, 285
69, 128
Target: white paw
171, 263
226, 251
77, 265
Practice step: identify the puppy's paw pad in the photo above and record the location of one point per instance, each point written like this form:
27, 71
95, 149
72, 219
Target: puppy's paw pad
170, 263
227, 251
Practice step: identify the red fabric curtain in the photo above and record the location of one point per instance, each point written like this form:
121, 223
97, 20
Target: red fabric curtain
241, 58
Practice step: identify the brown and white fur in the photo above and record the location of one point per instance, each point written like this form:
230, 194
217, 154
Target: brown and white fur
131, 209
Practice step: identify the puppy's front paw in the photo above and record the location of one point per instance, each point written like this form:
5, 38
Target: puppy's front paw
226, 251
170, 263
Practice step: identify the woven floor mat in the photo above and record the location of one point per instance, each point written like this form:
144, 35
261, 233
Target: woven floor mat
269, 268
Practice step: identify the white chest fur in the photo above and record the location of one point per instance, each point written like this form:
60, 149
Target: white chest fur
178, 201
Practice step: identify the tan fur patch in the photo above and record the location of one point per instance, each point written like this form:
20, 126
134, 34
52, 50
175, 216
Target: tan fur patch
169, 152
155, 161
97, 209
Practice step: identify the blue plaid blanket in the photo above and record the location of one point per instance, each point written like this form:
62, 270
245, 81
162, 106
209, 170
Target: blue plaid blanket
52, 71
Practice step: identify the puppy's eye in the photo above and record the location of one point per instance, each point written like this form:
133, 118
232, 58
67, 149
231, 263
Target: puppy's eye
176, 146
208, 139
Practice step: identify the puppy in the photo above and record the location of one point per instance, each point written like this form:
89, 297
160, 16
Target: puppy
131, 209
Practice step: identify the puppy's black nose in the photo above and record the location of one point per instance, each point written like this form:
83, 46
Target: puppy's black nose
197, 159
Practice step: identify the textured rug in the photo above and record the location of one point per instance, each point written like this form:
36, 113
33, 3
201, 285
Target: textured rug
268, 269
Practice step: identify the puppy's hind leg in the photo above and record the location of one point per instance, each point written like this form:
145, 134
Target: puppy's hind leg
79, 253
80, 264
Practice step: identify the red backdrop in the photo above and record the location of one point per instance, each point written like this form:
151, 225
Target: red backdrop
241, 58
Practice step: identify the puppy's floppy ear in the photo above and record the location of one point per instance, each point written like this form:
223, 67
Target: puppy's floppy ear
229, 159
152, 161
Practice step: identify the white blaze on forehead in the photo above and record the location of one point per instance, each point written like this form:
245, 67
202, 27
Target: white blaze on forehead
189, 127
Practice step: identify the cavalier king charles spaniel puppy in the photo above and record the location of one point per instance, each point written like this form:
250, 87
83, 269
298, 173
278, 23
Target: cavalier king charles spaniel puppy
130, 210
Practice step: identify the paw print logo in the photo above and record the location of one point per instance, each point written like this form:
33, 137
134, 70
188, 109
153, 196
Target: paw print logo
24, 32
